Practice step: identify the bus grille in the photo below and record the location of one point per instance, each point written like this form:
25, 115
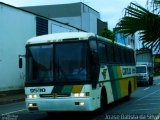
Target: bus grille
54, 95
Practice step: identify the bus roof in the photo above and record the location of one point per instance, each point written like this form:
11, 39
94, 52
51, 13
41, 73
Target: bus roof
58, 37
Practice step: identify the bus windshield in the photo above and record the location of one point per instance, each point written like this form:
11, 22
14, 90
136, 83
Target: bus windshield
57, 63
40, 63
70, 62
141, 69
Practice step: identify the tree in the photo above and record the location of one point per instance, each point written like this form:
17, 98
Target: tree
108, 34
142, 20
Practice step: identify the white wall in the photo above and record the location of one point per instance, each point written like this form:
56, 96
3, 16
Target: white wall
15, 28
89, 18
55, 27
89, 22
86, 22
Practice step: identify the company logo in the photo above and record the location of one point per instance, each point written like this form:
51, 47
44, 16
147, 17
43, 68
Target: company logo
126, 71
104, 73
35, 90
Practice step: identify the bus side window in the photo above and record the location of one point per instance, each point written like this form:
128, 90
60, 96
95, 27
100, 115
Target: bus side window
107, 53
132, 57
125, 56
110, 53
114, 54
93, 45
119, 55
122, 56
102, 53
128, 56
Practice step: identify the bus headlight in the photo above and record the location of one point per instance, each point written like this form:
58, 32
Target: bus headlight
32, 96
81, 94
81, 104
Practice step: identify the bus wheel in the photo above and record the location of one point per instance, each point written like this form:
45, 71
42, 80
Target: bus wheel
103, 101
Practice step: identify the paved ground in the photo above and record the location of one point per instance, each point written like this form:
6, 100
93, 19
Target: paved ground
11, 96
144, 104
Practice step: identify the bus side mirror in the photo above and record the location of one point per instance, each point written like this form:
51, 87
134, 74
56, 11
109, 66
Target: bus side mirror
20, 62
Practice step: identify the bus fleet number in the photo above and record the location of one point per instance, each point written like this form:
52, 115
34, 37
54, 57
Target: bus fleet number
35, 90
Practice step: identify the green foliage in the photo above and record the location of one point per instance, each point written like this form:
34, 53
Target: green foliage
137, 18
108, 34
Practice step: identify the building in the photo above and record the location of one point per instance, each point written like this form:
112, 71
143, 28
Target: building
144, 56
17, 26
129, 40
78, 14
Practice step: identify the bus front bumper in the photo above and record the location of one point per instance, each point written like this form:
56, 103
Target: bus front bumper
60, 104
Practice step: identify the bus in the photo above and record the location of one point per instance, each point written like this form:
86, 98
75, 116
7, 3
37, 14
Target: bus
77, 71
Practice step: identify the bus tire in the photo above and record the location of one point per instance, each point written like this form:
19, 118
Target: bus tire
103, 101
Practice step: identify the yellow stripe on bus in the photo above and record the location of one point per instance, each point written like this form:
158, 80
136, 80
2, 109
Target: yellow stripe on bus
77, 88
123, 86
119, 72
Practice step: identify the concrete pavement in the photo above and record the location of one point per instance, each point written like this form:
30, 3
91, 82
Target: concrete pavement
11, 96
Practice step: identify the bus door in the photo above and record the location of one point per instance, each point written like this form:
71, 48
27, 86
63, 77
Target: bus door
94, 62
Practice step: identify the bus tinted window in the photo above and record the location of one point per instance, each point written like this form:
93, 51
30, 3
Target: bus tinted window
117, 55
93, 45
122, 55
102, 52
132, 57
110, 53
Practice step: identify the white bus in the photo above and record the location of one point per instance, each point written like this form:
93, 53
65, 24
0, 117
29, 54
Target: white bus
77, 71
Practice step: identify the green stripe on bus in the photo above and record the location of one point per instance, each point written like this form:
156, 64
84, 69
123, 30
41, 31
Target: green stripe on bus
114, 90
118, 89
67, 89
111, 75
119, 72
115, 72
57, 89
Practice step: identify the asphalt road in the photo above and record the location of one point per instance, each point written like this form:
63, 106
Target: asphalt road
144, 104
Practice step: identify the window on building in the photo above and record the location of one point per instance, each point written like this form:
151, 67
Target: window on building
41, 26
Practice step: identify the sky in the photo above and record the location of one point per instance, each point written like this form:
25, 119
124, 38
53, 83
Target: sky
110, 10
